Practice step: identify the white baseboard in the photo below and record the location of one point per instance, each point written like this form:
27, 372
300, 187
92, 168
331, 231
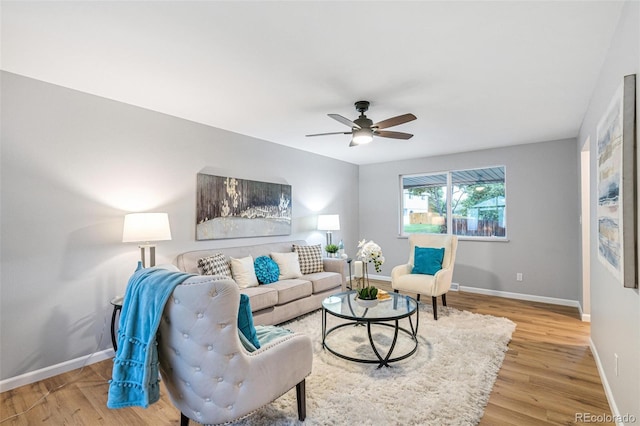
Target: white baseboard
521, 296
378, 277
506, 294
605, 383
54, 370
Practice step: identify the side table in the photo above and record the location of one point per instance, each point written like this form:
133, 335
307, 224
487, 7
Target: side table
117, 307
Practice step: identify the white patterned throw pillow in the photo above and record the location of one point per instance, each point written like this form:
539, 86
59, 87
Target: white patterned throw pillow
310, 258
216, 264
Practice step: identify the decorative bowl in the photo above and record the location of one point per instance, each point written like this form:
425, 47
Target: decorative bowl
366, 303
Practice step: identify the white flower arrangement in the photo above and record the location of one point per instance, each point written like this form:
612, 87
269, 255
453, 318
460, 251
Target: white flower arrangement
370, 252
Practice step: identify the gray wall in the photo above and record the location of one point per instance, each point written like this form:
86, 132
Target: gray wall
542, 218
615, 311
73, 164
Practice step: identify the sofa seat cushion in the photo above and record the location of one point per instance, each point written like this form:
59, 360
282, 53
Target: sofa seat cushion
261, 297
323, 281
292, 289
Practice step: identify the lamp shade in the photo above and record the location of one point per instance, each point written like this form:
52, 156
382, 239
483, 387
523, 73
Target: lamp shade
146, 227
329, 222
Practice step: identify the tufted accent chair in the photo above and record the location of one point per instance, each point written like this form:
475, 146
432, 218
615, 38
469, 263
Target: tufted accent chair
432, 285
208, 374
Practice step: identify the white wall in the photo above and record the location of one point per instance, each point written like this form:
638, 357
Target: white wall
542, 218
615, 311
73, 164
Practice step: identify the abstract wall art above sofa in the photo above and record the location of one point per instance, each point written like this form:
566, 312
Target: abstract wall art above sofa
228, 207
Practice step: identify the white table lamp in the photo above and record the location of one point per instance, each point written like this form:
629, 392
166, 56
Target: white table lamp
144, 228
329, 222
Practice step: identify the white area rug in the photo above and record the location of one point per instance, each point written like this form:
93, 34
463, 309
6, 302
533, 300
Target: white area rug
446, 382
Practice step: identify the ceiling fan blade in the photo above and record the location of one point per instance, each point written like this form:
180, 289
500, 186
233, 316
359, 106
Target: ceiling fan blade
393, 135
394, 121
343, 120
332, 133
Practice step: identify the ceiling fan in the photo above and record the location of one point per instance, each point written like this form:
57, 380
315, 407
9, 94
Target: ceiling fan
363, 129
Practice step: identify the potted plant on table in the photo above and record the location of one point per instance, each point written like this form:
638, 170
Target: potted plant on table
367, 297
331, 249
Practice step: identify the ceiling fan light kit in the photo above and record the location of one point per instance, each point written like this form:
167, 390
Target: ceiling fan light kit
362, 136
363, 130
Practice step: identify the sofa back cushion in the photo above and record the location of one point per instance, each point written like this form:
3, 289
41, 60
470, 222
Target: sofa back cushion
188, 262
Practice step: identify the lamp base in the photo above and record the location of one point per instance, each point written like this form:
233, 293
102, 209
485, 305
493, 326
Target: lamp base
152, 254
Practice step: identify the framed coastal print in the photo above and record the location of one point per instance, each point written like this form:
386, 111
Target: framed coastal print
228, 207
616, 185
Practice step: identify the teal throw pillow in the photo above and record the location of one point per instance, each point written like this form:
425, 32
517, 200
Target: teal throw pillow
267, 270
427, 260
245, 321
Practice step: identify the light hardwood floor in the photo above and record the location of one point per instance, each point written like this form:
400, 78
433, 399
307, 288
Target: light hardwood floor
548, 376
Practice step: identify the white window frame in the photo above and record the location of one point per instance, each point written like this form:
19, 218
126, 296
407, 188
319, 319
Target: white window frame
449, 195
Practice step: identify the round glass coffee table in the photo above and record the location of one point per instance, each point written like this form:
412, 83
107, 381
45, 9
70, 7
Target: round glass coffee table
387, 313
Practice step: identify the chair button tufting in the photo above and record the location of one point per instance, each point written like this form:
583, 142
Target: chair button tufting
230, 407
185, 335
210, 348
198, 369
175, 300
219, 379
200, 315
198, 413
207, 400
239, 384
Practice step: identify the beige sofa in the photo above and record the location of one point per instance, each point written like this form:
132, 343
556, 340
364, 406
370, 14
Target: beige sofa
283, 300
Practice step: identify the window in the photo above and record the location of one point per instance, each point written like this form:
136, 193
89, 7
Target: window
468, 203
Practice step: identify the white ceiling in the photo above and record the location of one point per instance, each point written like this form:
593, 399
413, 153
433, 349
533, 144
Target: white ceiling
476, 74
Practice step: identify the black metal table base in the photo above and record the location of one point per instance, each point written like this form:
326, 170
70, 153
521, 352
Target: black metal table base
382, 360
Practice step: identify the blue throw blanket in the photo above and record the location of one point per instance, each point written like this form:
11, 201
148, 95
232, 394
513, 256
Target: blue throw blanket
135, 368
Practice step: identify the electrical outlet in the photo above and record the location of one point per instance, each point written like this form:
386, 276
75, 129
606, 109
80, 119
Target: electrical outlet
616, 365
519, 276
